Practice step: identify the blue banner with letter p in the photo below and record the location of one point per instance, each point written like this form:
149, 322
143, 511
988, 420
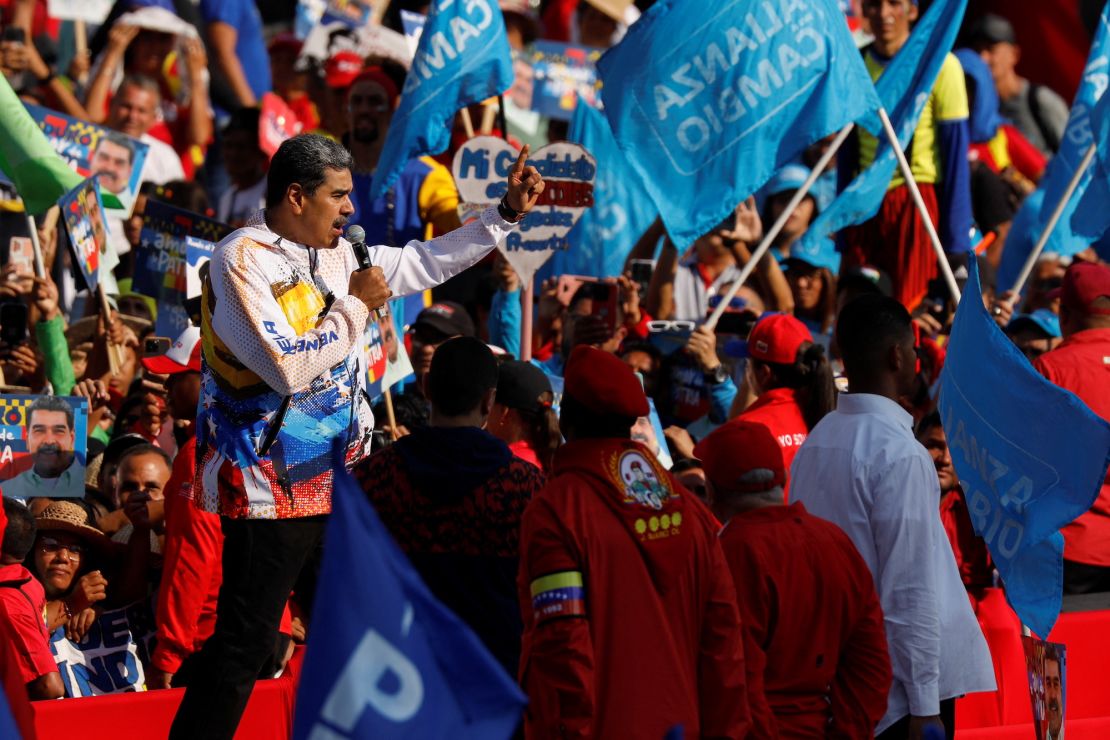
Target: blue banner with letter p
463, 58
1023, 480
385, 659
708, 99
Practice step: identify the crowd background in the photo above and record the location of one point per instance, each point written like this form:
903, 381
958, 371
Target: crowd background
188, 78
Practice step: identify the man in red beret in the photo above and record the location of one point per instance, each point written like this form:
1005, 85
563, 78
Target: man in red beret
812, 621
1082, 365
631, 627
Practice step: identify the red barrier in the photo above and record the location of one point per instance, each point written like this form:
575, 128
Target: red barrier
148, 714
1008, 713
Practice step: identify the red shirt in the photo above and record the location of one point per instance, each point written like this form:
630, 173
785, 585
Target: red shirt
972, 557
779, 411
23, 606
192, 572
630, 619
808, 602
524, 451
1081, 364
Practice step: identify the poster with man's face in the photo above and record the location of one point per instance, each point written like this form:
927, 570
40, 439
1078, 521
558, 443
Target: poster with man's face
83, 214
43, 446
1045, 664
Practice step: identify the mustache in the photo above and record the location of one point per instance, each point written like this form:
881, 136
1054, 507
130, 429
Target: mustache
49, 448
341, 222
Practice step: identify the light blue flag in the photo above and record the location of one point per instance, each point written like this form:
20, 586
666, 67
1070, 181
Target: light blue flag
1091, 218
1065, 240
622, 210
463, 58
391, 662
1031, 457
708, 99
904, 88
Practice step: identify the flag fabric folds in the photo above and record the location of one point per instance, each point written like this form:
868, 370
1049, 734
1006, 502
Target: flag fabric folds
1070, 236
1022, 481
40, 176
463, 58
385, 659
734, 90
904, 89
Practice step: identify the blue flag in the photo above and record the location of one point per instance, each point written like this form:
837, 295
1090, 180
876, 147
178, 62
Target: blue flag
463, 58
622, 210
385, 659
1091, 218
1067, 238
8, 728
904, 89
707, 100
1023, 481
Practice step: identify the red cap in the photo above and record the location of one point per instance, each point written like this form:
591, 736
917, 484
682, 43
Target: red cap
183, 355
1084, 283
378, 75
342, 68
737, 448
603, 383
776, 338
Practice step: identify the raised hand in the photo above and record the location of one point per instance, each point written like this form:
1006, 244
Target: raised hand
525, 184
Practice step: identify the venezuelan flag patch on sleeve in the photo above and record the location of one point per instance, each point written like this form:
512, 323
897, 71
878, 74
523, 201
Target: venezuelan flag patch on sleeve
558, 595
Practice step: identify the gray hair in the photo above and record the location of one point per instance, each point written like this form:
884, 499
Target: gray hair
142, 82
304, 160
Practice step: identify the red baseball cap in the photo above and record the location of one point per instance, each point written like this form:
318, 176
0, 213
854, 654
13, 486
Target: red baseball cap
1084, 283
604, 383
736, 449
342, 68
776, 338
183, 355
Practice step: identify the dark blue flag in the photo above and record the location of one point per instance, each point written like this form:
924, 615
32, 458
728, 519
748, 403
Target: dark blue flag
385, 659
463, 58
708, 99
1030, 456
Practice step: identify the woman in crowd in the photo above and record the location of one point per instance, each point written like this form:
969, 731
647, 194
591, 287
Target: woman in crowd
522, 415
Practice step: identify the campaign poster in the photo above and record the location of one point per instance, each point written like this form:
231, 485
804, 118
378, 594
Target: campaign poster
161, 261
43, 446
110, 657
481, 169
83, 214
92, 12
561, 73
387, 361
1046, 666
117, 160
276, 123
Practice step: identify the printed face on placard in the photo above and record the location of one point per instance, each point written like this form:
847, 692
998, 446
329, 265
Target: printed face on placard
481, 169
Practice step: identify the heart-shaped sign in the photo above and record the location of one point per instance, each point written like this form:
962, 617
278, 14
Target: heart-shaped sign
481, 169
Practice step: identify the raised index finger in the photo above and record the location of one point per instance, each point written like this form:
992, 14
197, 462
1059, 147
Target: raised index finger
518, 168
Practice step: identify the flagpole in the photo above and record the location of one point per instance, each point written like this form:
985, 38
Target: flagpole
1031, 260
778, 226
915, 192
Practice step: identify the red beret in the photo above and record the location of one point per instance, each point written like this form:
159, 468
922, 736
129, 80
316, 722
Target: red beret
602, 382
736, 449
1084, 283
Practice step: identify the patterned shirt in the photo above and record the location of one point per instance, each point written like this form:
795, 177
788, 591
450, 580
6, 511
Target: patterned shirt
269, 331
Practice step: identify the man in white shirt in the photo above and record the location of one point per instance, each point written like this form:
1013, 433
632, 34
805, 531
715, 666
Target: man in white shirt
134, 111
862, 469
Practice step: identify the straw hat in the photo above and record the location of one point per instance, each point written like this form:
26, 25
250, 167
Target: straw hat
84, 330
67, 516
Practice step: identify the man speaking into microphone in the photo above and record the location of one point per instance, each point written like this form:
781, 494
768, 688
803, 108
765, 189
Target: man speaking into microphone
283, 314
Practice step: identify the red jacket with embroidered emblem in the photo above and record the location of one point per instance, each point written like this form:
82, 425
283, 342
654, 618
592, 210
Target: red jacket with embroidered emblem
808, 603
630, 620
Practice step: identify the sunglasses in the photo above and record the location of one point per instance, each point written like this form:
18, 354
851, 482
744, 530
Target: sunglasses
51, 546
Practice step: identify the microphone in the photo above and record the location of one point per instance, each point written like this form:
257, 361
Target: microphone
356, 235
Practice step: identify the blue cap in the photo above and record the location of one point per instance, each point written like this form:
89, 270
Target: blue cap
815, 253
1042, 318
790, 177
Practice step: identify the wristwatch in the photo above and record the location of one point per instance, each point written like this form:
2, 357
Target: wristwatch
717, 375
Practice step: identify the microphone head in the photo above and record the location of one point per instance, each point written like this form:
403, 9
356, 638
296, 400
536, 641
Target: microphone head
356, 234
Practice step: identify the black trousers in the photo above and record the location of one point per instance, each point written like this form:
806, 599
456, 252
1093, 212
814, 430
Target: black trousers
1080, 578
901, 728
262, 559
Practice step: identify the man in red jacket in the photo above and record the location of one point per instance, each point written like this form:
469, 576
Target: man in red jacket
1080, 365
806, 597
631, 627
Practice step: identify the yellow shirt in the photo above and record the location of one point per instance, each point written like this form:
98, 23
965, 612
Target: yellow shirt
947, 102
